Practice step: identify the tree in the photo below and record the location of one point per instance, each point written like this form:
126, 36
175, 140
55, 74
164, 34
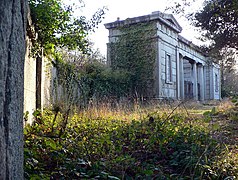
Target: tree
219, 18
226, 58
12, 55
228, 72
54, 24
57, 27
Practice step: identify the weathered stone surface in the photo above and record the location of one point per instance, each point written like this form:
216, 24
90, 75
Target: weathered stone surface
12, 54
182, 71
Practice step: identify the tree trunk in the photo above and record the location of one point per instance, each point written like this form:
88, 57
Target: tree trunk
12, 55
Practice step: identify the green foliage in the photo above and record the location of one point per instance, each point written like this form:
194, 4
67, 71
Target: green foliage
218, 18
68, 80
102, 82
156, 147
134, 52
82, 82
234, 99
57, 26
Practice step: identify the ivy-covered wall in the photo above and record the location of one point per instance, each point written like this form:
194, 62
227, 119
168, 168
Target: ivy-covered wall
76, 85
133, 50
150, 49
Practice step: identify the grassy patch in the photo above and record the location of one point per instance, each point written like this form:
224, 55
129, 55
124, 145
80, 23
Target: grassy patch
137, 143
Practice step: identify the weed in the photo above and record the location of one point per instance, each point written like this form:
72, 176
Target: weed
139, 143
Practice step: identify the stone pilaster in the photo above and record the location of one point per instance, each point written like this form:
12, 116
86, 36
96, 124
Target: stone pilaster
181, 77
195, 82
201, 81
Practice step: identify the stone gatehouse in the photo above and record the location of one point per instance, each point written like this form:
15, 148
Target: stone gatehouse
182, 70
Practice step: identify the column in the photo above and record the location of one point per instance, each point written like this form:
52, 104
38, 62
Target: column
201, 81
195, 82
181, 77
212, 87
178, 73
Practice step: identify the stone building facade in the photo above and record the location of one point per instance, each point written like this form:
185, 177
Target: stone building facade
182, 70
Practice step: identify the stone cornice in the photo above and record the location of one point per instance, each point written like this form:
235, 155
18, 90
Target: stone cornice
167, 19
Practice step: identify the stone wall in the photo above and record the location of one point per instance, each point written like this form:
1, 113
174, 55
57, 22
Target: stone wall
30, 71
30, 85
29, 81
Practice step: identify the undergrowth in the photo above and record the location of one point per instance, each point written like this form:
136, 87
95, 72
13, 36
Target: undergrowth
155, 144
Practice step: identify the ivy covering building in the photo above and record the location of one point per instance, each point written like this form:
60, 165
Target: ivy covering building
159, 61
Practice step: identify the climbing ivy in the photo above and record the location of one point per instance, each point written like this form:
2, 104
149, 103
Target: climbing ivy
134, 52
77, 83
102, 83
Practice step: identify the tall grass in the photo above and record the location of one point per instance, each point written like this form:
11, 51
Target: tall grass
130, 141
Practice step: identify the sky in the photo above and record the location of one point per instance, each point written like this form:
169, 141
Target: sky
132, 8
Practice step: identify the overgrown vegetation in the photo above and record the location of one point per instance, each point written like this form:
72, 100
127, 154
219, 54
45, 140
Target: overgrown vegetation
57, 26
79, 82
134, 53
133, 143
83, 78
124, 141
